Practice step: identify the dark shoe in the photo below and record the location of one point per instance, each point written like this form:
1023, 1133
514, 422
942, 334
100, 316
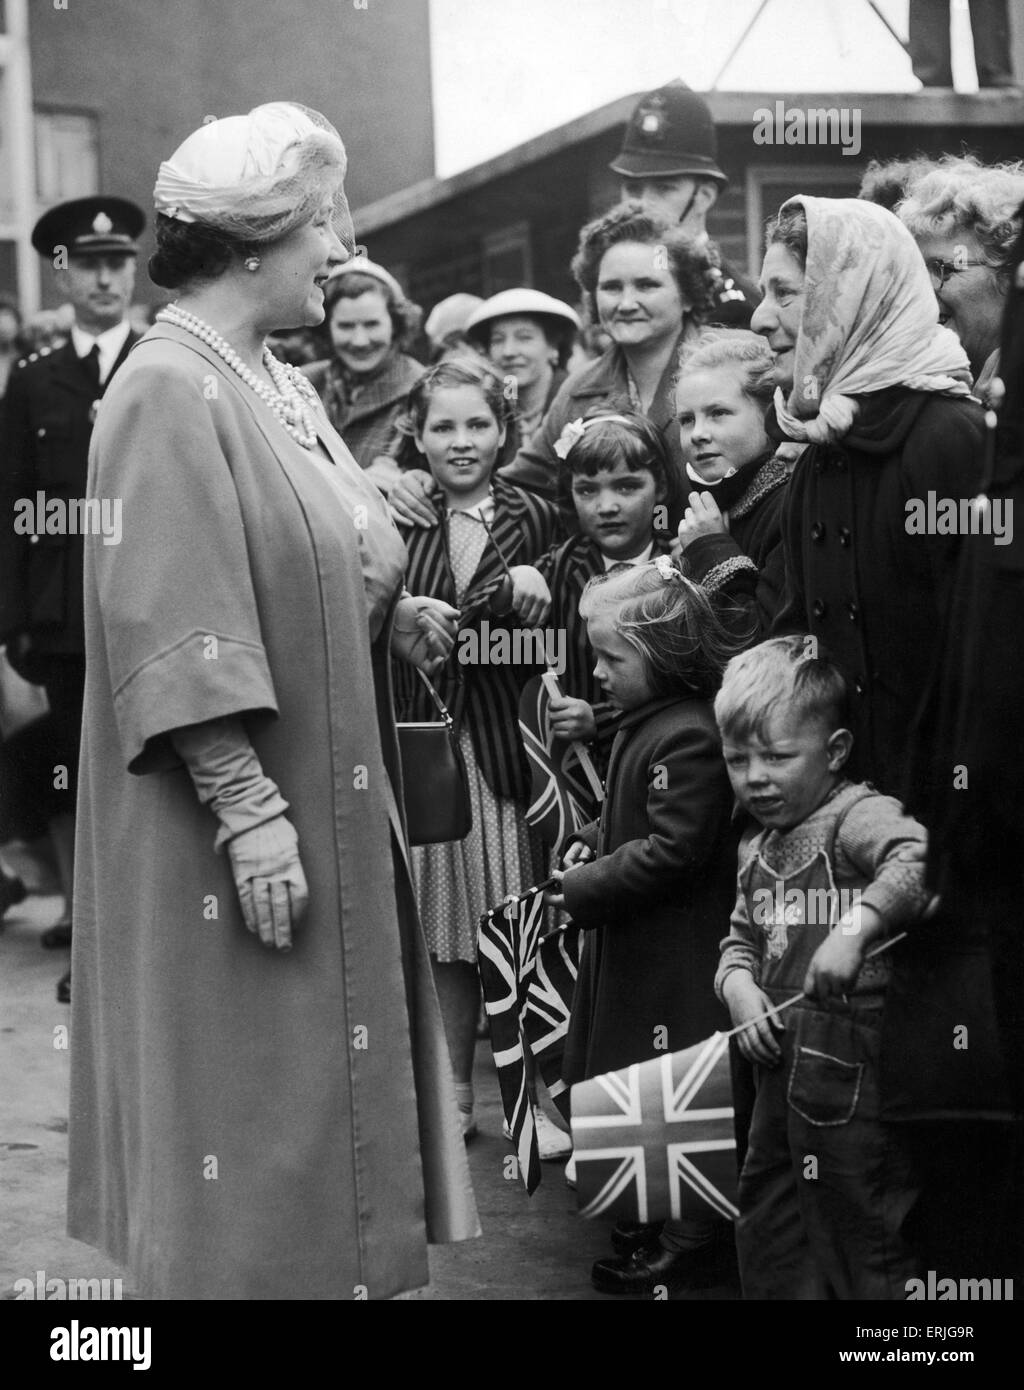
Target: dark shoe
628, 1236
64, 989
58, 938
644, 1270
12, 891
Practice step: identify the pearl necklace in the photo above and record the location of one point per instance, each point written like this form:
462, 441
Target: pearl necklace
290, 402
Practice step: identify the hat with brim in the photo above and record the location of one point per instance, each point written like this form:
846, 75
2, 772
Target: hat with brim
359, 265
519, 301
642, 165
670, 133
96, 226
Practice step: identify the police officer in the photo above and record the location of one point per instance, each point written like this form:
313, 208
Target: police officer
51, 402
669, 162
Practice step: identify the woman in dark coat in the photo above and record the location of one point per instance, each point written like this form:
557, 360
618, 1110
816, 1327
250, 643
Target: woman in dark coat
881, 397
880, 391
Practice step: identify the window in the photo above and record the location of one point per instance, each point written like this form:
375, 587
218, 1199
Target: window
507, 262
67, 156
769, 187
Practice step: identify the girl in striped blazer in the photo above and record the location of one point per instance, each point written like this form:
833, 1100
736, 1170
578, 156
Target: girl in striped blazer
479, 558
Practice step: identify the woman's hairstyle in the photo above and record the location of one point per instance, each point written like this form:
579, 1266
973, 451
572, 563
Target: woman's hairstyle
789, 229
733, 347
887, 182
191, 251
628, 439
960, 195
559, 333
783, 675
405, 316
670, 621
693, 267
456, 371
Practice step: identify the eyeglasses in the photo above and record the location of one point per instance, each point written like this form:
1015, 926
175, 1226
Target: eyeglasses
940, 270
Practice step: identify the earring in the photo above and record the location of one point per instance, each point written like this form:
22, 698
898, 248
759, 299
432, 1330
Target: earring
252, 262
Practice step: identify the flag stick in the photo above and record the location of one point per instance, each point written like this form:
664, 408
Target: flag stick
769, 1013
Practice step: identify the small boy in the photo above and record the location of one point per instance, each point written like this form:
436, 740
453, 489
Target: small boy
838, 868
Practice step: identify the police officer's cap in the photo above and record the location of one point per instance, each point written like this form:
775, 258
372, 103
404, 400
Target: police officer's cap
670, 132
90, 227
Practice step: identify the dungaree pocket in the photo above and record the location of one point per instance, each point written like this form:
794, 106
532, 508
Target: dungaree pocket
825, 1082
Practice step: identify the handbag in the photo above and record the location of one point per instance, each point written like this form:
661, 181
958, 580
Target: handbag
435, 786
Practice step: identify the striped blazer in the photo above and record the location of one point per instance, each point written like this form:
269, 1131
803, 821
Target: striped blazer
483, 695
567, 567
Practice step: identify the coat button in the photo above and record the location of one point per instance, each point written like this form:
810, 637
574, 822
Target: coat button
818, 531
41, 431
859, 686
844, 536
33, 540
851, 611
819, 607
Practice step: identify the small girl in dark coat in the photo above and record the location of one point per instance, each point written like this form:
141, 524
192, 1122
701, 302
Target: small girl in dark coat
660, 880
731, 534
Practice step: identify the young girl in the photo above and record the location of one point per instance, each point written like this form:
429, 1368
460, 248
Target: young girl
655, 879
622, 486
731, 535
473, 559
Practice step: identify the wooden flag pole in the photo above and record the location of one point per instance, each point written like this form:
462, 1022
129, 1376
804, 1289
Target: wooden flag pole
787, 1003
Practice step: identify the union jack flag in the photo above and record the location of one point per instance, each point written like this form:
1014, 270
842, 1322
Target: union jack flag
565, 787
527, 982
655, 1140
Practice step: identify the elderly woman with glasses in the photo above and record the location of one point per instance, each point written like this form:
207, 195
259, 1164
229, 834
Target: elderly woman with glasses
261, 1102
965, 218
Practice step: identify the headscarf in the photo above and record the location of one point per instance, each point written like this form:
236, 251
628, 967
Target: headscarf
255, 177
869, 321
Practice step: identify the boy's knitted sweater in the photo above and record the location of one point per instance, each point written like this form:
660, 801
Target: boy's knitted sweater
878, 860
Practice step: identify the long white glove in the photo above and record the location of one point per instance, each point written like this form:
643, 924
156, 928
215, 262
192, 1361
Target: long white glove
262, 843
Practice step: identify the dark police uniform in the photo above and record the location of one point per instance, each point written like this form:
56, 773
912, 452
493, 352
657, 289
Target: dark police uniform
671, 133
45, 431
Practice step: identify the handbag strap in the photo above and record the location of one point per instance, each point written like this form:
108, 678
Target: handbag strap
442, 708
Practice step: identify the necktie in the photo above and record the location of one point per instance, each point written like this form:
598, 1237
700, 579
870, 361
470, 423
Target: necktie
91, 364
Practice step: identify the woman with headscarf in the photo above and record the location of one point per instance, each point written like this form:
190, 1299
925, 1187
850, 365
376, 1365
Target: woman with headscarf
879, 392
261, 1101
650, 286
365, 384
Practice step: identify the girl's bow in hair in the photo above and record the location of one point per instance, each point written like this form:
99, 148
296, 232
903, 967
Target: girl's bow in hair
666, 568
571, 435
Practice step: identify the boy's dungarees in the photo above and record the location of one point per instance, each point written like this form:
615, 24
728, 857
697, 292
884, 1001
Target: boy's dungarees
825, 1191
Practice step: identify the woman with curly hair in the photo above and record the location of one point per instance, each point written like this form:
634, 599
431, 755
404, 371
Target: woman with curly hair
365, 384
965, 218
649, 286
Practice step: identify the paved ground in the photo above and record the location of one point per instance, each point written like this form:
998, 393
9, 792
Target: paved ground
533, 1248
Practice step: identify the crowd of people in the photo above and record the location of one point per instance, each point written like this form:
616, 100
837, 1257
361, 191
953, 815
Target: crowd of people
703, 487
